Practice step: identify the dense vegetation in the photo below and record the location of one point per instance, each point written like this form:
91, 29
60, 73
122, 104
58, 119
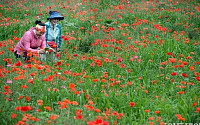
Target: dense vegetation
125, 62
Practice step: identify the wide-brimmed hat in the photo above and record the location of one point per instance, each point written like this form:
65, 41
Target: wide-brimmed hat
55, 14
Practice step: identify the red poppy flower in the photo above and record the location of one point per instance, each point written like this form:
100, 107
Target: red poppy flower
40, 102
25, 108
13, 115
47, 108
184, 75
27, 98
58, 55
198, 78
97, 110
53, 117
174, 74
157, 112
131, 104
52, 44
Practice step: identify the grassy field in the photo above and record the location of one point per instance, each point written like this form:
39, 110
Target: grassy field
123, 62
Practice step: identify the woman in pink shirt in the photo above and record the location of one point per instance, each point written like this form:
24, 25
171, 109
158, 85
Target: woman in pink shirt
32, 41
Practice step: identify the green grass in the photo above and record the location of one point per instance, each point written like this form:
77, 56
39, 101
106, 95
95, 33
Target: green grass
118, 43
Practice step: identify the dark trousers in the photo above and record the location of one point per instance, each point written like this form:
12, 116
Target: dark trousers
19, 56
16, 55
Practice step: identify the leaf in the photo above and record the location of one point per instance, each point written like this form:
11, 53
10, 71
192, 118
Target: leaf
47, 48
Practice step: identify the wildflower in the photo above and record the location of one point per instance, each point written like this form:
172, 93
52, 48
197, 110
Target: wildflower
123, 66
75, 55
13, 115
131, 59
18, 63
196, 73
53, 117
157, 112
114, 113
30, 81
48, 121
197, 109
128, 70
184, 75
90, 102
27, 98
47, 108
191, 68
52, 44
188, 57
58, 64
78, 112
180, 117
185, 63
162, 123
194, 104
77, 92
180, 92
172, 60
24, 86
71, 85
87, 96
26, 14
40, 102
97, 110
9, 81
74, 103
25, 108
78, 117
173, 74
131, 104
20, 97
56, 90
95, 80
58, 55
119, 60
20, 123
150, 123
139, 60
29, 54
158, 119
183, 82
198, 78
190, 83
151, 118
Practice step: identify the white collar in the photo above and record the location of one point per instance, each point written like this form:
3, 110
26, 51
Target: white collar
35, 33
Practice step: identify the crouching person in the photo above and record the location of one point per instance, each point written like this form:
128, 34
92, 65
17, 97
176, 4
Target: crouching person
33, 41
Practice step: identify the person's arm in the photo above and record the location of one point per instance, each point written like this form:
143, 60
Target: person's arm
43, 44
59, 37
46, 35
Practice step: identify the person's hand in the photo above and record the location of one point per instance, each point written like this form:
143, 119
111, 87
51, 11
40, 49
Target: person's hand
41, 51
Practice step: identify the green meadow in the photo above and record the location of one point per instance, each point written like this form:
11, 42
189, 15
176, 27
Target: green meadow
122, 62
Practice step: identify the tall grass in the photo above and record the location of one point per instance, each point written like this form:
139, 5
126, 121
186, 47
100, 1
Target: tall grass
122, 62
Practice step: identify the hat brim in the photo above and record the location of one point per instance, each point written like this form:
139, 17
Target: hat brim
59, 18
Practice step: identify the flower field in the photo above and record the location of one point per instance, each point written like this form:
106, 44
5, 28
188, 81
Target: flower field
122, 62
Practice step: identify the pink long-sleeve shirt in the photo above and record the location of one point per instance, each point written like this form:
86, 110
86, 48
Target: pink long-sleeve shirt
31, 42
